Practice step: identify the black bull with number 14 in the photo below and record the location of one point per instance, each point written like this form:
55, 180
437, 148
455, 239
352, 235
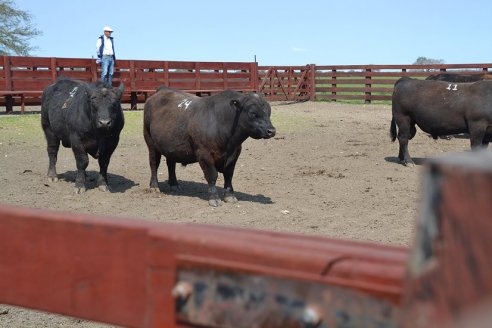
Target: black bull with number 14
441, 109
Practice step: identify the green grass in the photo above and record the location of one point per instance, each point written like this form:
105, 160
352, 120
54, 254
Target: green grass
133, 123
288, 123
22, 129
25, 130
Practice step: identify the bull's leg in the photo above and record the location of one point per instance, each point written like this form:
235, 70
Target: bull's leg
82, 161
171, 171
52, 148
211, 174
477, 137
406, 131
154, 162
106, 149
229, 196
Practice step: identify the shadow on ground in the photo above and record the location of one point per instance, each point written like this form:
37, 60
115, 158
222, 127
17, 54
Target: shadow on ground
117, 183
200, 190
417, 160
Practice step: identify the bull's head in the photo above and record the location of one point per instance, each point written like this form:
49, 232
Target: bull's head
105, 105
255, 116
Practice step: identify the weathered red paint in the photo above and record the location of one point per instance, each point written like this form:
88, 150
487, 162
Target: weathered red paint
123, 271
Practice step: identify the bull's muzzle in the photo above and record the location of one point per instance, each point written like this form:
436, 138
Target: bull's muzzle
104, 123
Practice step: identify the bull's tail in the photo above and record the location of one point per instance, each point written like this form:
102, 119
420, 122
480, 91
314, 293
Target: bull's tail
393, 130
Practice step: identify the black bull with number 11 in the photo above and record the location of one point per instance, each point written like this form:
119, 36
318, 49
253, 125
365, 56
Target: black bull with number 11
186, 129
441, 109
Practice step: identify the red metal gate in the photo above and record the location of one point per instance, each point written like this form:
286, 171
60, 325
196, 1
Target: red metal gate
292, 83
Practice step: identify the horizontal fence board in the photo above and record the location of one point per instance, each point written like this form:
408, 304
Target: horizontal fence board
17, 61
76, 75
28, 85
380, 97
15, 75
377, 74
365, 89
73, 62
342, 97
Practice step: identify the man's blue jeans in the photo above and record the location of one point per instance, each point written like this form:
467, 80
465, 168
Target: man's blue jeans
107, 69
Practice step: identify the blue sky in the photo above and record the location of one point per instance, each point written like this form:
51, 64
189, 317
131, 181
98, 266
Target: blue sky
277, 32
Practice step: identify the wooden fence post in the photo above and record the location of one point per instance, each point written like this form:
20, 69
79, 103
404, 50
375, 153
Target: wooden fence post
93, 70
254, 76
334, 85
9, 100
312, 82
224, 76
54, 73
367, 92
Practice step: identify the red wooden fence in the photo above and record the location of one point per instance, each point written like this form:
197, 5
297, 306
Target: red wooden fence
22, 79
144, 274
368, 83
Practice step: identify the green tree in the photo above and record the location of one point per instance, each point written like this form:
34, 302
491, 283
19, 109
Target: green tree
428, 61
16, 30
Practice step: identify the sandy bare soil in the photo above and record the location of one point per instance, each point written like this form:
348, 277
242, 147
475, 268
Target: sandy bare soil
331, 170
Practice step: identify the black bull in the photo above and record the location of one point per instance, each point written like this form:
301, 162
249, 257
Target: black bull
459, 78
440, 109
86, 117
187, 129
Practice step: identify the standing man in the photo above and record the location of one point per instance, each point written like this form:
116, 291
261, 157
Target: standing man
106, 55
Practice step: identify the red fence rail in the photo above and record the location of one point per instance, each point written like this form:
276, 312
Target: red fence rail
143, 274
22, 79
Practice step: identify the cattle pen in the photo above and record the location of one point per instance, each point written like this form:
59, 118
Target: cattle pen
321, 236
22, 79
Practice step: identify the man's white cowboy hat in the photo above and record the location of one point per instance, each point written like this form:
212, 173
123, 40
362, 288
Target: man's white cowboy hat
107, 28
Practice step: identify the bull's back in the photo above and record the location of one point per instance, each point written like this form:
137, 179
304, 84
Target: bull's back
167, 114
60, 102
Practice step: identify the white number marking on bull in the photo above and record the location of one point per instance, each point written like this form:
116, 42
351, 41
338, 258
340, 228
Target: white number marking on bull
185, 103
452, 87
71, 94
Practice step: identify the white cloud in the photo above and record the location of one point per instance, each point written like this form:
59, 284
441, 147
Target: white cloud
297, 49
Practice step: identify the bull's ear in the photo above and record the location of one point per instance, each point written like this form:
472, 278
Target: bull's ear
120, 90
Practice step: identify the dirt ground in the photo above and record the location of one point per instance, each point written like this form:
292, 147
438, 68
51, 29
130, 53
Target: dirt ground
331, 170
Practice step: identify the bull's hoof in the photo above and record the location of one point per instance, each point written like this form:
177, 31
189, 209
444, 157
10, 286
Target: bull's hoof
79, 190
214, 202
104, 188
230, 199
53, 179
408, 164
155, 189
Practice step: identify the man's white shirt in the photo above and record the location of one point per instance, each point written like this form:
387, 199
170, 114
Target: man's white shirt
108, 46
